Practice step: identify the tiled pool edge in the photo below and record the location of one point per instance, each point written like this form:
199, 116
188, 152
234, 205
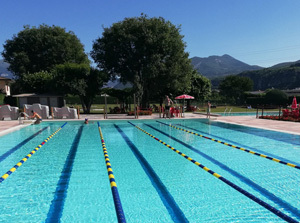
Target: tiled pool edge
12, 129
258, 126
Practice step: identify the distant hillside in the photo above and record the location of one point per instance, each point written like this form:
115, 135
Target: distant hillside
116, 84
218, 66
283, 78
3, 70
286, 64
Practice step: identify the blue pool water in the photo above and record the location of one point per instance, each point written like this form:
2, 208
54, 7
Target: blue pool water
66, 180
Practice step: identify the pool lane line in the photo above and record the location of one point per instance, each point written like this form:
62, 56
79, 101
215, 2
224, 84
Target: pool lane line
57, 204
256, 132
233, 146
167, 199
229, 183
264, 192
15, 148
113, 185
20, 163
241, 145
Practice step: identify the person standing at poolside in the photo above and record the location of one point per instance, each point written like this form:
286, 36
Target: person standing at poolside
208, 109
37, 116
168, 103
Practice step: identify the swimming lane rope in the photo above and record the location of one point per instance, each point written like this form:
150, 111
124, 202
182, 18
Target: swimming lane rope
8, 173
113, 185
229, 183
233, 146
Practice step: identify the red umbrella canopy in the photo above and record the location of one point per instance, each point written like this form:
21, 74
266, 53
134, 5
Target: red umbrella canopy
184, 96
294, 104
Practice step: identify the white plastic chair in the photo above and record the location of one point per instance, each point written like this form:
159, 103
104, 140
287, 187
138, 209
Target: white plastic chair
56, 112
8, 112
65, 112
42, 110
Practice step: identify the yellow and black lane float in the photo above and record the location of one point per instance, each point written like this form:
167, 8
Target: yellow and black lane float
229, 183
113, 185
20, 163
233, 146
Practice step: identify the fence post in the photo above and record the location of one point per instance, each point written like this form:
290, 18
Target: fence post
159, 108
181, 111
257, 111
25, 113
78, 112
279, 111
52, 113
105, 108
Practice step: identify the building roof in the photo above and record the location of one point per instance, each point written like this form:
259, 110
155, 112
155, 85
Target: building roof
256, 92
5, 78
293, 90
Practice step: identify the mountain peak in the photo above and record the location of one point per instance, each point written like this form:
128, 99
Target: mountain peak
227, 56
216, 66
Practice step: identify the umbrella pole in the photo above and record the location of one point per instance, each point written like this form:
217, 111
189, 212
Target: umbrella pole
183, 108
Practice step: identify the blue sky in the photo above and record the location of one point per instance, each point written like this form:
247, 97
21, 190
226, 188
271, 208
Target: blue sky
257, 32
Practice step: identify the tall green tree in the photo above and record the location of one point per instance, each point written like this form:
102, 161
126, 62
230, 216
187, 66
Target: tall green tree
36, 49
201, 87
81, 80
148, 52
39, 82
233, 88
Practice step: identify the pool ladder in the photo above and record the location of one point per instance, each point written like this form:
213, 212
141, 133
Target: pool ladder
228, 113
22, 121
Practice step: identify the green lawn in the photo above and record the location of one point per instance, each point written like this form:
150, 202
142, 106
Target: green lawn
221, 109
99, 108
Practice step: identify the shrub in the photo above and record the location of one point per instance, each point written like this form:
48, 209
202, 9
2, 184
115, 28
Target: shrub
276, 97
2, 96
12, 101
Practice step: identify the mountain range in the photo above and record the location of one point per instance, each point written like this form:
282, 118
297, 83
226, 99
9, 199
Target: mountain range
3, 70
211, 67
219, 66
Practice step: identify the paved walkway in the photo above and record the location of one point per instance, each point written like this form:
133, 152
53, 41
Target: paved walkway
283, 126
290, 127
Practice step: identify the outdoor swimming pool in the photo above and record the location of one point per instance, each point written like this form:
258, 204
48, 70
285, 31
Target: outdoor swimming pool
66, 179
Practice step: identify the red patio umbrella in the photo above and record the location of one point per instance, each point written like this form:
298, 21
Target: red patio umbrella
184, 96
294, 104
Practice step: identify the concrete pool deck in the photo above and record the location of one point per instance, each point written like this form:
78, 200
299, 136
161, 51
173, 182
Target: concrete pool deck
251, 121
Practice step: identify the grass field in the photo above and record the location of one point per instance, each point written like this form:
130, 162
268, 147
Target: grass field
99, 108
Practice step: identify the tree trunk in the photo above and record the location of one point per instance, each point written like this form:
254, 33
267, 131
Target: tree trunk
145, 99
86, 104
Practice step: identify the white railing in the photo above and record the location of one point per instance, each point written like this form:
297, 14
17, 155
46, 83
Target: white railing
228, 112
225, 111
22, 114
